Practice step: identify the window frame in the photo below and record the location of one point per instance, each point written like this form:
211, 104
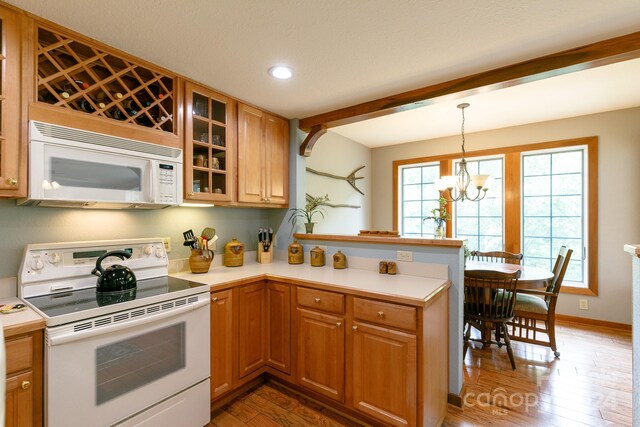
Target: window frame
512, 196
399, 189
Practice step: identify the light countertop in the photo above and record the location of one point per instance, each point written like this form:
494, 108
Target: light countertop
633, 249
400, 288
21, 321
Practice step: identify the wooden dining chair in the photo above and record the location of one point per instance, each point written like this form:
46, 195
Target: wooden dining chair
489, 299
496, 256
538, 306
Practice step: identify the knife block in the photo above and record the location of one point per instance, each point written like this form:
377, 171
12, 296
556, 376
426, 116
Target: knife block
265, 257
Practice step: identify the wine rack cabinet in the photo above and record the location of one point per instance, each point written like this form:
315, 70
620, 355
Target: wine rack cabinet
82, 77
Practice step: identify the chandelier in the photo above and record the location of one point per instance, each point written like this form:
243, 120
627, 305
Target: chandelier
457, 186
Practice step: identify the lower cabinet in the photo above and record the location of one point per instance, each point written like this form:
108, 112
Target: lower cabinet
320, 353
221, 342
252, 324
384, 373
279, 326
23, 399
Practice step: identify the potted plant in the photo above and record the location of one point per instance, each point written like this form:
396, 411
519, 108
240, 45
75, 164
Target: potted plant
312, 207
440, 216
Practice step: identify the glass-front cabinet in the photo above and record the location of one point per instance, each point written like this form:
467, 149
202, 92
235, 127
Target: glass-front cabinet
210, 144
12, 165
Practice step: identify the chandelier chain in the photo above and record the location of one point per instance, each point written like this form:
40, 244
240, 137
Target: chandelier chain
462, 131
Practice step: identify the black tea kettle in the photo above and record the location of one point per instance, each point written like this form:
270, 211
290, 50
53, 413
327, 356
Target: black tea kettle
116, 278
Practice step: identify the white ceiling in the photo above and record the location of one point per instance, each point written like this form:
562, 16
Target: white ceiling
343, 51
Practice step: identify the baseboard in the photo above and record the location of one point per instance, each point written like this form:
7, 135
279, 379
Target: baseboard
224, 399
457, 399
592, 322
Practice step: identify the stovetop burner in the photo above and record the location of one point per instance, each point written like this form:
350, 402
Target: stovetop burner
65, 303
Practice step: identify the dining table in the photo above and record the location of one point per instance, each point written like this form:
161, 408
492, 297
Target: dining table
530, 278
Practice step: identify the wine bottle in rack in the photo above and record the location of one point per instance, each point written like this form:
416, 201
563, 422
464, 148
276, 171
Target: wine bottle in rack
115, 113
86, 106
82, 84
144, 120
130, 107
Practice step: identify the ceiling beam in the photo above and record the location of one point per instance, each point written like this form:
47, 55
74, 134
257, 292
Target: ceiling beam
604, 52
314, 134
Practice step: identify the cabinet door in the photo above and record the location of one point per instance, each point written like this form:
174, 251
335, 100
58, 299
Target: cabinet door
384, 374
221, 342
19, 400
320, 353
13, 166
251, 151
209, 145
279, 348
252, 353
276, 135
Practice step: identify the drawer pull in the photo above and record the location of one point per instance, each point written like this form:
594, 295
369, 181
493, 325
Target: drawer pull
381, 314
12, 181
25, 385
338, 324
317, 300
354, 327
214, 299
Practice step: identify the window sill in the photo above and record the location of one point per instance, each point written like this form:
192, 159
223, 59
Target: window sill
577, 291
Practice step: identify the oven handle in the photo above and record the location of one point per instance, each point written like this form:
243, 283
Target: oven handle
70, 336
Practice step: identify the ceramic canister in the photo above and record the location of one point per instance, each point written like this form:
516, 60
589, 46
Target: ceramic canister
339, 260
234, 253
296, 254
317, 257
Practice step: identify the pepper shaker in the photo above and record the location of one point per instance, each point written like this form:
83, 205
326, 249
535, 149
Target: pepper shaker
391, 267
382, 267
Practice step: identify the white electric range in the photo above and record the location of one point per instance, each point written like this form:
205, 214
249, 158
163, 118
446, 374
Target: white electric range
135, 358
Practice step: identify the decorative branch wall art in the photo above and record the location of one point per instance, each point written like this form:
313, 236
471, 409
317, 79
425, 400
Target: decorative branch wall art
351, 178
332, 205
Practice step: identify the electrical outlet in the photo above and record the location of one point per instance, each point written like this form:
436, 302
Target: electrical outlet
167, 243
406, 256
584, 304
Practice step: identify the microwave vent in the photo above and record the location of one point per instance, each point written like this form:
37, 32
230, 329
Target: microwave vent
77, 135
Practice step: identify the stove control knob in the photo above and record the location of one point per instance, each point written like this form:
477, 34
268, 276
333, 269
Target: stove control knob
159, 252
148, 250
36, 264
54, 258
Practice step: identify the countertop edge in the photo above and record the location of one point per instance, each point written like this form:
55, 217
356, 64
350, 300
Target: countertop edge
450, 243
23, 328
633, 249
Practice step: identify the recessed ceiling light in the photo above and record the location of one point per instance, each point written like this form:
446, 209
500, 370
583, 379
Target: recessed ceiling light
281, 72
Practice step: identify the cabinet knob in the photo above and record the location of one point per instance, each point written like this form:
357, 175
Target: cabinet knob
12, 181
381, 314
214, 299
338, 324
190, 194
25, 385
317, 300
354, 327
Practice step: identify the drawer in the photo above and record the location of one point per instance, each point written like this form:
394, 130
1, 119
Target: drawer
19, 354
321, 300
384, 313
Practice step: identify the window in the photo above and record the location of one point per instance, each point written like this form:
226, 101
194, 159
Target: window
553, 209
481, 223
418, 197
543, 196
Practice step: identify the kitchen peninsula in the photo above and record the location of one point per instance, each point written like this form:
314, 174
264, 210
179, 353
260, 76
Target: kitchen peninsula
373, 345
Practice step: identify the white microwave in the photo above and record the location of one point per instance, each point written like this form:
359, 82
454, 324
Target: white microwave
76, 168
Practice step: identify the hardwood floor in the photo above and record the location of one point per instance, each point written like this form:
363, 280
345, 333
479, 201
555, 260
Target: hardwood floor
590, 385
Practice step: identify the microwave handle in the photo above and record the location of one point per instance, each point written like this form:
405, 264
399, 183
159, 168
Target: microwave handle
70, 336
152, 182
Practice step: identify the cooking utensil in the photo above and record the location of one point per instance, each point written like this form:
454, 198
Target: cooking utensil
116, 277
188, 235
208, 233
191, 243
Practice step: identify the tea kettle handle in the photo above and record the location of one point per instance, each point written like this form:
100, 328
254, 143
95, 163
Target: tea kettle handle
99, 271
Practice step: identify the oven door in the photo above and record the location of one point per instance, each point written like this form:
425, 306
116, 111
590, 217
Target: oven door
105, 370
61, 172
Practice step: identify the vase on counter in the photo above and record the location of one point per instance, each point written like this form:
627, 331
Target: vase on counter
439, 230
308, 226
200, 260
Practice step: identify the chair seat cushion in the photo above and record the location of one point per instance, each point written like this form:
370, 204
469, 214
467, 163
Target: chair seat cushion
530, 303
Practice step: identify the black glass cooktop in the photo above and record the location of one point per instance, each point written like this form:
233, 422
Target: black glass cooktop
87, 299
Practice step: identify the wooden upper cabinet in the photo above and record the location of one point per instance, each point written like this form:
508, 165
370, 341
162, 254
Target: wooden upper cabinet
384, 374
252, 348
221, 343
209, 145
263, 158
82, 83
13, 162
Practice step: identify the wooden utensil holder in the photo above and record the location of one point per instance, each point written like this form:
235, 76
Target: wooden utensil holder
264, 257
200, 260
